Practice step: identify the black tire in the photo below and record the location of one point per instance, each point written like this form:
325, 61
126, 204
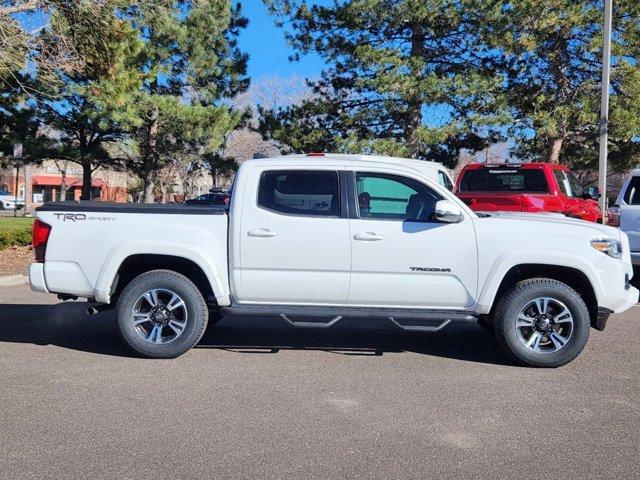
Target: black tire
517, 298
194, 305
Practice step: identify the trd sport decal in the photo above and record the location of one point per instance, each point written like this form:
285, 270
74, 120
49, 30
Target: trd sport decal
429, 269
80, 217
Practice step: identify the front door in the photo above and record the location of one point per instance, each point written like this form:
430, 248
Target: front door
294, 240
402, 256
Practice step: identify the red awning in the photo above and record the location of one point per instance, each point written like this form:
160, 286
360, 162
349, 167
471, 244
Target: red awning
56, 181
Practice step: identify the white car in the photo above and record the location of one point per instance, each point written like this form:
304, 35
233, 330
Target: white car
8, 201
314, 239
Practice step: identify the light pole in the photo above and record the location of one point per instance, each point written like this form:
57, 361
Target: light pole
17, 155
604, 106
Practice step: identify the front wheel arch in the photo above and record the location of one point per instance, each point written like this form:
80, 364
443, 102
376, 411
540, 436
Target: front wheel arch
573, 277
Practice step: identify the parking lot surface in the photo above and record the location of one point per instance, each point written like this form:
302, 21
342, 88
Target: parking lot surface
258, 399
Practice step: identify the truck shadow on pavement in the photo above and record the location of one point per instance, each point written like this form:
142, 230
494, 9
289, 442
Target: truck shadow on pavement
67, 325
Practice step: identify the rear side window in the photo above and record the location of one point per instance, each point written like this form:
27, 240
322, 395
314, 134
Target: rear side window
300, 192
632, 194
504, 180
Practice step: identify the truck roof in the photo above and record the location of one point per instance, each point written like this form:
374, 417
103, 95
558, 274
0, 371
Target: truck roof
347, 159
526, 165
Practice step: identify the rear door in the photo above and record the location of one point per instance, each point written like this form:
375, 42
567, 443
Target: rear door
401, 256
630, 213
294, 238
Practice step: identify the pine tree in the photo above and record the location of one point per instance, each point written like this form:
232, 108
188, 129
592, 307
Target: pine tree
404, 77
91, 108
190, 61
550, 56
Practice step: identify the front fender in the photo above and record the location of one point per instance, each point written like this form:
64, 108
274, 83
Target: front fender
507, 261
199, 256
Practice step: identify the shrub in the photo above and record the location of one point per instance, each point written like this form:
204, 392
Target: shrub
15, 231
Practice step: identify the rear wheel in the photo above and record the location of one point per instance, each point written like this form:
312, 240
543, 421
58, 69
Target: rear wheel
542, 322
161, 314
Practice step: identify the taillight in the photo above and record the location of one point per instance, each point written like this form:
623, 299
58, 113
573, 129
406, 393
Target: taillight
39, 240
613, 216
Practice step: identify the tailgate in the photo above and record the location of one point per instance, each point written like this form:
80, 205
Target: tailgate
493, 202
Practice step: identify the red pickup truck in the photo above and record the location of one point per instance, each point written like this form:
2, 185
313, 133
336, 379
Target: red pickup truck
527, 187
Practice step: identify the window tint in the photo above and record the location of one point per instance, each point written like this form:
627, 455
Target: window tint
300, 192
444, 180
632, 194
504, 180
392, 197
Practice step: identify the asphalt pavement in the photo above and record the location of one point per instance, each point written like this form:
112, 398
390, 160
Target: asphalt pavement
258, 399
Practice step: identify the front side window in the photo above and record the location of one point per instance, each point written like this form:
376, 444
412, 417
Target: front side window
568, 183
300, 192
391, 197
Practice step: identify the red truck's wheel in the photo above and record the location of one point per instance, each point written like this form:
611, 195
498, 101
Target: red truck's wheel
161, 314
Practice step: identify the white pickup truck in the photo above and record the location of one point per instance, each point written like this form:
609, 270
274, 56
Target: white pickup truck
314, 239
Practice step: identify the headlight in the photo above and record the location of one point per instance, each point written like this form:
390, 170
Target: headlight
611, 247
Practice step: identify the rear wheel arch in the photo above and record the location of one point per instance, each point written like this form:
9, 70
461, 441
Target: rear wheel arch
137, 264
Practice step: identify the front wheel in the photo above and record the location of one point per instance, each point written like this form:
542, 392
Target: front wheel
542, 322
161, 314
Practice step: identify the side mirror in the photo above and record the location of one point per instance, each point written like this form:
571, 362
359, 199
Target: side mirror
448, 212
592, 192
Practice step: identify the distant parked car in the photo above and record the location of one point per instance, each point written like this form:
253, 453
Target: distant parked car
8, 201
215, 198
625, 213
528, 187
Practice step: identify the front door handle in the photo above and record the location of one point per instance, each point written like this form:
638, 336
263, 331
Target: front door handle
262, 233
368, 237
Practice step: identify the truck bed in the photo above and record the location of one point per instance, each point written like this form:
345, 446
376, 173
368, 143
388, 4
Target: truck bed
104, 207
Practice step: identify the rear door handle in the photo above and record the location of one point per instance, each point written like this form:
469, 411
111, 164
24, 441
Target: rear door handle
262, 233
368, 237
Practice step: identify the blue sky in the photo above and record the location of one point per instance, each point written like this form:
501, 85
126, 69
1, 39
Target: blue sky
267, 48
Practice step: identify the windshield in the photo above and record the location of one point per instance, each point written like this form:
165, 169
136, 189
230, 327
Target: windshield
504, 180
4, 192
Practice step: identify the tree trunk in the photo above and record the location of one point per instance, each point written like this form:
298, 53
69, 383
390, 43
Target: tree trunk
147, 186
86, 181
555, 147
151, 160
63, 186
214, 177
414, 101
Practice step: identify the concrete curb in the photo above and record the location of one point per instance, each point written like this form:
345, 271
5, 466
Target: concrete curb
13, 280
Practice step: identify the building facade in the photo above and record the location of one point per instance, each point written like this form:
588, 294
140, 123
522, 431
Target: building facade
55, 180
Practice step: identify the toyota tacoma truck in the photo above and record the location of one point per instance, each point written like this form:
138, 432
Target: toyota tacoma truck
529, 187
310, 240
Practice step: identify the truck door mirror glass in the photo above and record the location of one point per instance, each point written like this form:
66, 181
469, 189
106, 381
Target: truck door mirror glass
448, 212
591, 192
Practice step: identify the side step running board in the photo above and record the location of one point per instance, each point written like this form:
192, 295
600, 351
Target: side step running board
411, 320
328, 324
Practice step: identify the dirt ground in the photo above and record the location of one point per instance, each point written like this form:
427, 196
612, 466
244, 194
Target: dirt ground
15, 260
